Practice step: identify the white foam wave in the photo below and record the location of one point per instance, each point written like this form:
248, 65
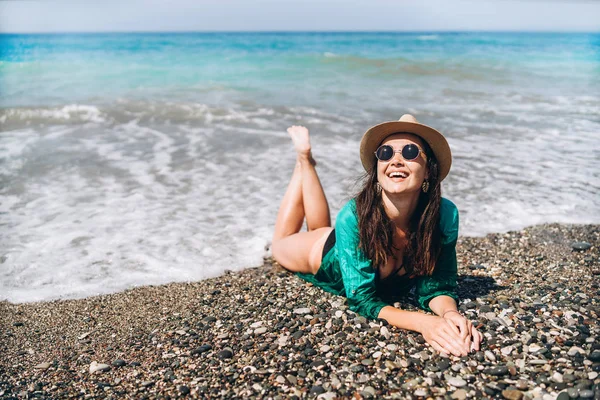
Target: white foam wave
77, 112
98, 208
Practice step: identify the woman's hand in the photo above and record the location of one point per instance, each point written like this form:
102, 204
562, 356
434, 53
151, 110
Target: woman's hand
443, 336
464, 328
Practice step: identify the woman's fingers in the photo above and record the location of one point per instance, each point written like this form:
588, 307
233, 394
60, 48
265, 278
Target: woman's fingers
464, 343
453, 326
440, 349
450, 341
467, 331
476, 338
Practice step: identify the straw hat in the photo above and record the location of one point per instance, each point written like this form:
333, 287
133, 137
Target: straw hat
406, 124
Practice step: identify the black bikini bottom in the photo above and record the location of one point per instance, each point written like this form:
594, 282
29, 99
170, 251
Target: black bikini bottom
329, 243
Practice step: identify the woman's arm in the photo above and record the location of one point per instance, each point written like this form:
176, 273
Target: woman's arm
441, 304
437, 331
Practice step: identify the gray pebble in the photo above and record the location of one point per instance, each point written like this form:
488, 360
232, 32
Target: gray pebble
586, 394
456, 381
301, 311
580, 246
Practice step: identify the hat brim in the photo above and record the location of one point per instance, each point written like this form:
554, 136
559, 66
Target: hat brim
375, 135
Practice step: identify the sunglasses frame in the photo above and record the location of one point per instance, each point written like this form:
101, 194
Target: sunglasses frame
399, 151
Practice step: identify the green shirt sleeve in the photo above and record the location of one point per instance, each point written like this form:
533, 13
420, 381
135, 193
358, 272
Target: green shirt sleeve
443, 279
357, 271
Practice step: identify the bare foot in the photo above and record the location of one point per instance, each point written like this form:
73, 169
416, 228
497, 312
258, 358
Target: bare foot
301, 139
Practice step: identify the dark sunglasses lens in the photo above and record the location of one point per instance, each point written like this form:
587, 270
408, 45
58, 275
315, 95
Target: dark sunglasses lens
410, 152
384, 153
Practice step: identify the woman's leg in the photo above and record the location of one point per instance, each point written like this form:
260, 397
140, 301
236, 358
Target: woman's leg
294, 250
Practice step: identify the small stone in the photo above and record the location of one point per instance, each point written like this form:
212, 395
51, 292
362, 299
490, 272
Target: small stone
457, 382
96, 367
592, 375
573, 393
84, 335
573, 351
557, 377
460, 394
119, 363
497, 371
506, 350
256, 324
184, 390
385, 332
420, 392
443, 364
43, 366
586, 394
594, 356
280, 379
367, 361
225, 353
324, 348
202, 349
317, 390
292, 379
301, 311
390, 365
327, 396
147, 383
580, 246
257, 387
521, 384
511, 394
260, 331
298, 334
534, 348
490, 356
410, 384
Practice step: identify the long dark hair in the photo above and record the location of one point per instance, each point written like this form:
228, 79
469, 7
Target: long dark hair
376, 230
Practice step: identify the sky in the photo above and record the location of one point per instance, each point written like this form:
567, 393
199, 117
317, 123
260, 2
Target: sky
305, 15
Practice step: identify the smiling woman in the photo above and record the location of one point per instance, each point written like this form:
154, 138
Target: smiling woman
396, 233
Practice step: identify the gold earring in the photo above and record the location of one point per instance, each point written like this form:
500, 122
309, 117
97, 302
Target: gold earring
425, 186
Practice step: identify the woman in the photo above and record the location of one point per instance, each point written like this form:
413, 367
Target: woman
396, 233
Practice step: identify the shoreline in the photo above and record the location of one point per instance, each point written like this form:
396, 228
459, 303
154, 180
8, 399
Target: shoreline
265, 333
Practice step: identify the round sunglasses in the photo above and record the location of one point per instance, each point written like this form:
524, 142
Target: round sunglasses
386, 152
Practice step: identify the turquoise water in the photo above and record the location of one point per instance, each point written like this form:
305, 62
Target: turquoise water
288, 68
130, 159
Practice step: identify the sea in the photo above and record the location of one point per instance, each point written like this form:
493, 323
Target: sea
131, 159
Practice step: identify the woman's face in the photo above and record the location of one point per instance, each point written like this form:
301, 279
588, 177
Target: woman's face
400, 176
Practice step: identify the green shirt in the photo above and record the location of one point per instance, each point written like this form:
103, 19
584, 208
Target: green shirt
346, 271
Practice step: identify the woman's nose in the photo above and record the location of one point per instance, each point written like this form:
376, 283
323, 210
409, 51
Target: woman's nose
397, 159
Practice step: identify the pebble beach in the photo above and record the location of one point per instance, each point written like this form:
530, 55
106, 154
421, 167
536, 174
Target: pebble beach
264, 333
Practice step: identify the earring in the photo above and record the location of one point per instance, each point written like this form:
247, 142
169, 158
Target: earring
378, 187
425, 186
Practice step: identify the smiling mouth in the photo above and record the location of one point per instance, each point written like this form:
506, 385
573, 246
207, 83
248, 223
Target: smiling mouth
397, 176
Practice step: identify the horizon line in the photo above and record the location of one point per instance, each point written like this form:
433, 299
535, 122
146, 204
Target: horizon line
292, 31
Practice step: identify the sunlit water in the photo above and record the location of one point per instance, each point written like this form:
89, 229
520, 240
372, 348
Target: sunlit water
134, 159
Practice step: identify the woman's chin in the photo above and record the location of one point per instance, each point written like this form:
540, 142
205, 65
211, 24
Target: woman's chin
402, 190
